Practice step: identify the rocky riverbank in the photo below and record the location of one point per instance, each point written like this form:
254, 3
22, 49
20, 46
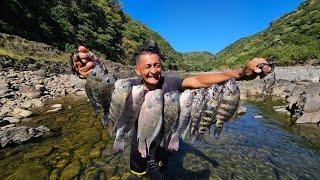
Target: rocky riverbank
298, 85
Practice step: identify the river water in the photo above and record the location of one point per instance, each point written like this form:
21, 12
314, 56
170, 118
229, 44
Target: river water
78, 147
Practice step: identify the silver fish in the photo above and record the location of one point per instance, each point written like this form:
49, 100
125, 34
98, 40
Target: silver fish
129, 116
184, 119
171, 115
150, 120
228, 104
99, 87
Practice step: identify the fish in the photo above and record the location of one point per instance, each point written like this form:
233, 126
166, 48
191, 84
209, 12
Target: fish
207, 119
129, 116
199, 101
171, 115
150, 120
228, 104
185, 100
99, 87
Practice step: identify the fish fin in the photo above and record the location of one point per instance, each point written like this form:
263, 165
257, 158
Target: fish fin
142, 148
174, 142
217, 132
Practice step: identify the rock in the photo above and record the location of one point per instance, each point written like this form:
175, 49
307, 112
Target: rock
281, 109
242, 110
29, 172
12, 120
31, 95
56, 106
7, 126
257, 117
26, 104
71, 171
80, 93
312, 104
20, 134
3, 84
22, 112
54, 110
309, 118
37, 103
41, 73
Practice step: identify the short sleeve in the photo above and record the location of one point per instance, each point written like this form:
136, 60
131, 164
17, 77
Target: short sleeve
172, 82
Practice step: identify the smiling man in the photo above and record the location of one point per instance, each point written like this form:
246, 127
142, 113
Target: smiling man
148, 67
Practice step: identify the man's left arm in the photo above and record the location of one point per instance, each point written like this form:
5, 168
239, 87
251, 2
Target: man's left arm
250, 72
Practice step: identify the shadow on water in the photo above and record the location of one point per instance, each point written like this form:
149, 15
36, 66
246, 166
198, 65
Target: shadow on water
176, 164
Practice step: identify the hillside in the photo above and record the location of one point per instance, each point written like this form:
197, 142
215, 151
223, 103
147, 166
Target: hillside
198, 61
291, 39
100, 25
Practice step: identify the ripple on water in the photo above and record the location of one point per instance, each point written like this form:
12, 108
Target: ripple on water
79, 147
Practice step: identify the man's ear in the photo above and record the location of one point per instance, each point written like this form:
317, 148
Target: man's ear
136, 69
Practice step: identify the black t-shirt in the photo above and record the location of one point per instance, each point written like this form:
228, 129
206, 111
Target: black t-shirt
170, 82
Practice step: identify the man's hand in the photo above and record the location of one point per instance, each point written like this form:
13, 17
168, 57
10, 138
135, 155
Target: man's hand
84, 61
256, 67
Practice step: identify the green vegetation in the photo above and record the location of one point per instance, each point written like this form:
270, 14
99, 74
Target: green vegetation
292, 39
98, 24
198, 61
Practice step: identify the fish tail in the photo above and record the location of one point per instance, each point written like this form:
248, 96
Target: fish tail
174, 142
118, 144
142, 148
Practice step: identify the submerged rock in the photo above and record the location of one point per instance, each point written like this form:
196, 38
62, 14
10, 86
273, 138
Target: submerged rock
20, 134
309, 118
242, 110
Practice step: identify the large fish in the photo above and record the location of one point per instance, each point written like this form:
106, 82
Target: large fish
228, 103
122, 90
129, 116
99, 87
184, 119
150, 120
171, 115
207, 119
198, 105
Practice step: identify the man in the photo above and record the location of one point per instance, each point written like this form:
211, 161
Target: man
148, 67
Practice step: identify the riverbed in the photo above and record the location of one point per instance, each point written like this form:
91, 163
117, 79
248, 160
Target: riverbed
249, 148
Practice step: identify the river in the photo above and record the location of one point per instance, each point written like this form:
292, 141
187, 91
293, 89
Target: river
249, 148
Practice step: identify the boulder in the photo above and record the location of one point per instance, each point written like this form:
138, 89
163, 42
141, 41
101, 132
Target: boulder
22, 112
12, 120
37, 102
309, 118
242, 110
312, 104
20, 134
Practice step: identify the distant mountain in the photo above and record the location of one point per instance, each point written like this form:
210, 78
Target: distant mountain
291, 39
198, 61
101, 25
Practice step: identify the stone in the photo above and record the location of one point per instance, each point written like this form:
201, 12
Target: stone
80, 93
7, 126
309, 118
257, 117
26, 104
20, 134
3, 84
242, 110
71, 171
12, 120
22, 112
37, 103
56, 106
54, 110
41, 73
312, 104
281, 109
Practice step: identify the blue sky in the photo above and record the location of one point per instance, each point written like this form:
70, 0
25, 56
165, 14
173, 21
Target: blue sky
206, 25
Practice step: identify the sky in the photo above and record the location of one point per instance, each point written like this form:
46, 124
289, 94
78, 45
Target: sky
206, 25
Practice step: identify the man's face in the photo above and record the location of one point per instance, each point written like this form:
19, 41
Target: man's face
149, 68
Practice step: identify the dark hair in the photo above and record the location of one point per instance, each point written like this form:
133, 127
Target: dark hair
149, 46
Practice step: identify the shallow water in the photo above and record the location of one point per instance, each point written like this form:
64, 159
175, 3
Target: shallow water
79, 147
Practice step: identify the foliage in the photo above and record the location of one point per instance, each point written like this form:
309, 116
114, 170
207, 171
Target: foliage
198, 61
293, 38
98, 24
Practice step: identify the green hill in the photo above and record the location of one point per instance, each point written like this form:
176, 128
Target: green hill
198, 61
100, 25
291, 39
